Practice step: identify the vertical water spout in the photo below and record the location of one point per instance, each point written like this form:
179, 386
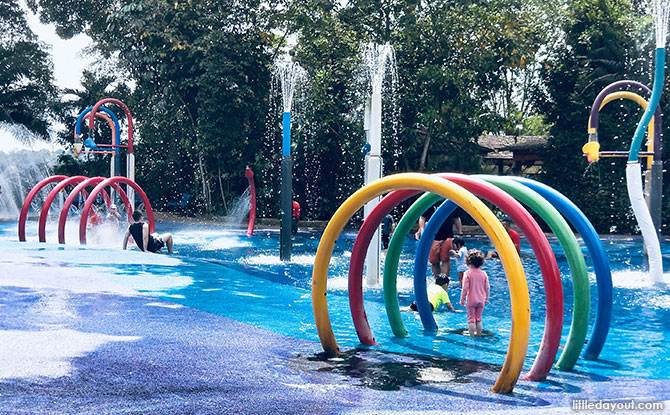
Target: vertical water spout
378, 60
290, 75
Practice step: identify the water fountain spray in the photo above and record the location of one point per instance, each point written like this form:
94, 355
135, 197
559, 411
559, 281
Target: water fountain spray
290, 75
377, 60
661, 12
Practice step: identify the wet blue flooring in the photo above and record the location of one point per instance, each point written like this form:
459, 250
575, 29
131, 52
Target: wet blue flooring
254, 347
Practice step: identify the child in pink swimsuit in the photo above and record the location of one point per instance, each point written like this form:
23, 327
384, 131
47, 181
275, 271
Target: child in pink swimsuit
475, 291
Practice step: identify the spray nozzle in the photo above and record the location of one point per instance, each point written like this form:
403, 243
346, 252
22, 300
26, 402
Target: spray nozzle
592, 151
76, 148
89, 143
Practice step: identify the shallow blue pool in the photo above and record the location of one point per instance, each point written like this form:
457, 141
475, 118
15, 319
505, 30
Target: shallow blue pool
224, 272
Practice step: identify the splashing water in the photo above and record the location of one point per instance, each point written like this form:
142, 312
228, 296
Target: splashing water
376, 59
20, 171
24, 161
381, 74
290, 75
239, 209
661, 14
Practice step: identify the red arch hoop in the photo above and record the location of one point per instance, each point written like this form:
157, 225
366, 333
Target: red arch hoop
68, 203
29, 199
75, 180
102, 185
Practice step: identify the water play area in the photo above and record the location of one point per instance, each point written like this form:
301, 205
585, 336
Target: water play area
56, 291
334, 207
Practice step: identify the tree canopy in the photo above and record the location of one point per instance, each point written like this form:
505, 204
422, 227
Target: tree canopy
26, 73
198, 78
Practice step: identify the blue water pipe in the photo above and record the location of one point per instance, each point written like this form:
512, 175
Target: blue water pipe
286, 141
600, 263
117, 137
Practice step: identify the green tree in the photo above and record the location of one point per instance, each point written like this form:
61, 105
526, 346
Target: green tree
199, 86
26, 78
600, 47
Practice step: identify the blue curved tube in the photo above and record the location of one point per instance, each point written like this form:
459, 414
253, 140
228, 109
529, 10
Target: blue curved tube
117, 137
422, 251
600, 263
659, 74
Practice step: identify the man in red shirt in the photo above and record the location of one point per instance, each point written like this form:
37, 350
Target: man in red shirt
514, 236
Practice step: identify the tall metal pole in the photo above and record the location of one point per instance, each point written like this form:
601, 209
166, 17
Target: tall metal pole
656, 194
130, 173
373, 171
285, 243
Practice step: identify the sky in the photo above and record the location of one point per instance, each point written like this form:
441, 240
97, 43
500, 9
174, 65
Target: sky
69, 63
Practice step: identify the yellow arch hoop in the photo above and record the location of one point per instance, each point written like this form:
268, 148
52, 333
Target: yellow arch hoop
640, 101
516, 279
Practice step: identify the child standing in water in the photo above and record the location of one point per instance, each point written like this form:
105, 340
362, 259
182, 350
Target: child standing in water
475, 291
461, 253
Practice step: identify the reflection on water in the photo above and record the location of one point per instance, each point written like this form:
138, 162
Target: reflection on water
376, 369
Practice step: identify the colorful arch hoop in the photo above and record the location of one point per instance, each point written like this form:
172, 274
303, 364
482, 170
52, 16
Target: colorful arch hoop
632, 96
614, 87
600, 263
474, 207
580, 279
547, 261
106, 114
99, 188
550, 274
23, 216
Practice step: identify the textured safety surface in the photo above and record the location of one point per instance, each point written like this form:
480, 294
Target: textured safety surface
138, 354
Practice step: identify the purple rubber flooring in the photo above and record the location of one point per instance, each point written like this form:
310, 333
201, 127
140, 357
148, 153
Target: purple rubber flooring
136, 354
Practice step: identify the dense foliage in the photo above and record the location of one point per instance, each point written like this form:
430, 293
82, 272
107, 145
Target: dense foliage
198, 78
26, 87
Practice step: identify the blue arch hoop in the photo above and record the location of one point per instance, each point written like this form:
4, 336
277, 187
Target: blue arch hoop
422, 251
117, 137
600, 263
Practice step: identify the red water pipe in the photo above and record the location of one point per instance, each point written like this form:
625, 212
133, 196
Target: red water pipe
252, 193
